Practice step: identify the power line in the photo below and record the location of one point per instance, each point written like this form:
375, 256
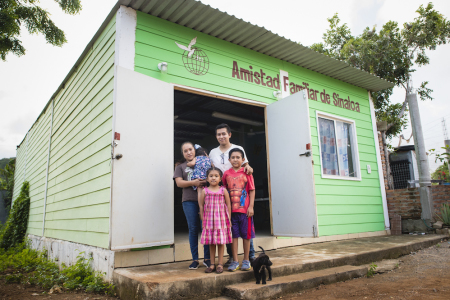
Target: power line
438, 119
434, 136
433, 125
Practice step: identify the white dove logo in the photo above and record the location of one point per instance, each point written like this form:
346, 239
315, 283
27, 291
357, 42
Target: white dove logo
188, 48
194, 59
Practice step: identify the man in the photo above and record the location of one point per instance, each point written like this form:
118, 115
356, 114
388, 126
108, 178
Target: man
219, 157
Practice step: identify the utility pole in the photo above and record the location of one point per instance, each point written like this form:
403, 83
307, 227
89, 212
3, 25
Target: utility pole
421, 155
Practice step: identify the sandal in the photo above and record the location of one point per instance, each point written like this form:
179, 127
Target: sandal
219, 269
210, 269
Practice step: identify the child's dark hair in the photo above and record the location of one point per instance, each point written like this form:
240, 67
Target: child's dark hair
214, 169
201, 152
236, 150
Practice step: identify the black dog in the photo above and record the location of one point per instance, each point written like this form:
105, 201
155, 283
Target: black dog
260, 264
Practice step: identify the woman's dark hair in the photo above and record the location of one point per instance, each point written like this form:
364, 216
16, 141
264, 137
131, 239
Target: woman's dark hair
236, 150
182, 160
223, 125
201, 152
214, 169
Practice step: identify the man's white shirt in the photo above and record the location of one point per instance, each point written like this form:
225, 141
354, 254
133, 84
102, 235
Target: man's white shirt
220, 159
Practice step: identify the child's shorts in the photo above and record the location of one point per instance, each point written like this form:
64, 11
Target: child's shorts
242, 226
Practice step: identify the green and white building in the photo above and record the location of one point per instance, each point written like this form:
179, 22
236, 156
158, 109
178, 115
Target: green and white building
100, 156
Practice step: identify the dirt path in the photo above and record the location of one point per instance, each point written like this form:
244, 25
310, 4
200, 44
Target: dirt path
421, 275
15, 291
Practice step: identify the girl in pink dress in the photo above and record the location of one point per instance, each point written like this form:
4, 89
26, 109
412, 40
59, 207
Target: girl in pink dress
215, 212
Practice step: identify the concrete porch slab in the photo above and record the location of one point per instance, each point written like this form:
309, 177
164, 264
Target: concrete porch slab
175, 281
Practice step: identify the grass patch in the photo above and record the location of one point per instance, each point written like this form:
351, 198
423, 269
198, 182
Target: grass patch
21, 264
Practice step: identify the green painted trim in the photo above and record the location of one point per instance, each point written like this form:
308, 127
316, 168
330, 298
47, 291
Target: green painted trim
151, 248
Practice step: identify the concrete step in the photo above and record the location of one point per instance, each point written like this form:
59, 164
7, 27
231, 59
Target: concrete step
174, 280
293, 283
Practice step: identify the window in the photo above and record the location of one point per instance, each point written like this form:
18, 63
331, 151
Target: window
338, 147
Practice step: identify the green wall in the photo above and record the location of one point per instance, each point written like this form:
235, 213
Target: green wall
32, 161
342, 206
79, 178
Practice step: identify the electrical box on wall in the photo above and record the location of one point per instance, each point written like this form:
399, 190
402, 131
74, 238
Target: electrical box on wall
369, 170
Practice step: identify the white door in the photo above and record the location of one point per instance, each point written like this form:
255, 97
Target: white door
142, 185
291, 174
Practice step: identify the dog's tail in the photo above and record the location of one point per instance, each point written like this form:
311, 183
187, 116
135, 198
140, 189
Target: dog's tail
262, 249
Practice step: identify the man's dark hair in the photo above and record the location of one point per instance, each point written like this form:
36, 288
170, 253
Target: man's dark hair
236, 150
223, 125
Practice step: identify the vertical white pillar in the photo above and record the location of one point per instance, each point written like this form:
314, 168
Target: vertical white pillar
387, 225
124, 53
26, 158
48, 164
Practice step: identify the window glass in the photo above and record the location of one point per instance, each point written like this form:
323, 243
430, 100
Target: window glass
336, 148
328, 147
343, 133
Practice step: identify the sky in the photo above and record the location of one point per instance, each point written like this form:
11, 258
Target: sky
28, 82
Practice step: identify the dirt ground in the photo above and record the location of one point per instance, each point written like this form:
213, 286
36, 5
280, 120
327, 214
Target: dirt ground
20, 291
421, 275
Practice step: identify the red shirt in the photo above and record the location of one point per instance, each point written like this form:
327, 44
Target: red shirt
238, 184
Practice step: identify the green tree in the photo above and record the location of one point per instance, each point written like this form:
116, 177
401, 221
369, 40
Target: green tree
15, 13
4, 162
392, 54
7, 182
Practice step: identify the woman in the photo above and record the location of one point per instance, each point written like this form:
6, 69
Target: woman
182, 177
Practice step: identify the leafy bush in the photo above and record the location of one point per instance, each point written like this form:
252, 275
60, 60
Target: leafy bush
441, 173
15, 228
81, 275
444, 214
29, 266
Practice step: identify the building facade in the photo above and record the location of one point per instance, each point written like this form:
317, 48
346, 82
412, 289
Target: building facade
100, 156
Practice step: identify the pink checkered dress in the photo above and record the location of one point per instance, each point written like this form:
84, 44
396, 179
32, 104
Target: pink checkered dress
217, 227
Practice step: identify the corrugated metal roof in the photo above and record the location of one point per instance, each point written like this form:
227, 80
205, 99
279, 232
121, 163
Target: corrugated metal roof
204, 18
211, 21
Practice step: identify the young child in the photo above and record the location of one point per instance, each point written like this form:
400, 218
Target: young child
215, 212
201, 164
242, 195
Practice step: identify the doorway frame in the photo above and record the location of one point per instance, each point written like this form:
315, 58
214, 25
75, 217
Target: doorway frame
192, 90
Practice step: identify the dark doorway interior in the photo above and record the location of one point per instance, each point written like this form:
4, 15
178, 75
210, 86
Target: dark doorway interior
194, 122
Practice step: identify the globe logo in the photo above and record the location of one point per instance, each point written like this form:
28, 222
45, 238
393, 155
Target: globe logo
195, 60
198, 63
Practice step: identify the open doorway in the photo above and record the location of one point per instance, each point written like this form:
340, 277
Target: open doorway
195, 119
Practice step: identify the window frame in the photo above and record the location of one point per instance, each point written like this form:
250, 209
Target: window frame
353, 141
